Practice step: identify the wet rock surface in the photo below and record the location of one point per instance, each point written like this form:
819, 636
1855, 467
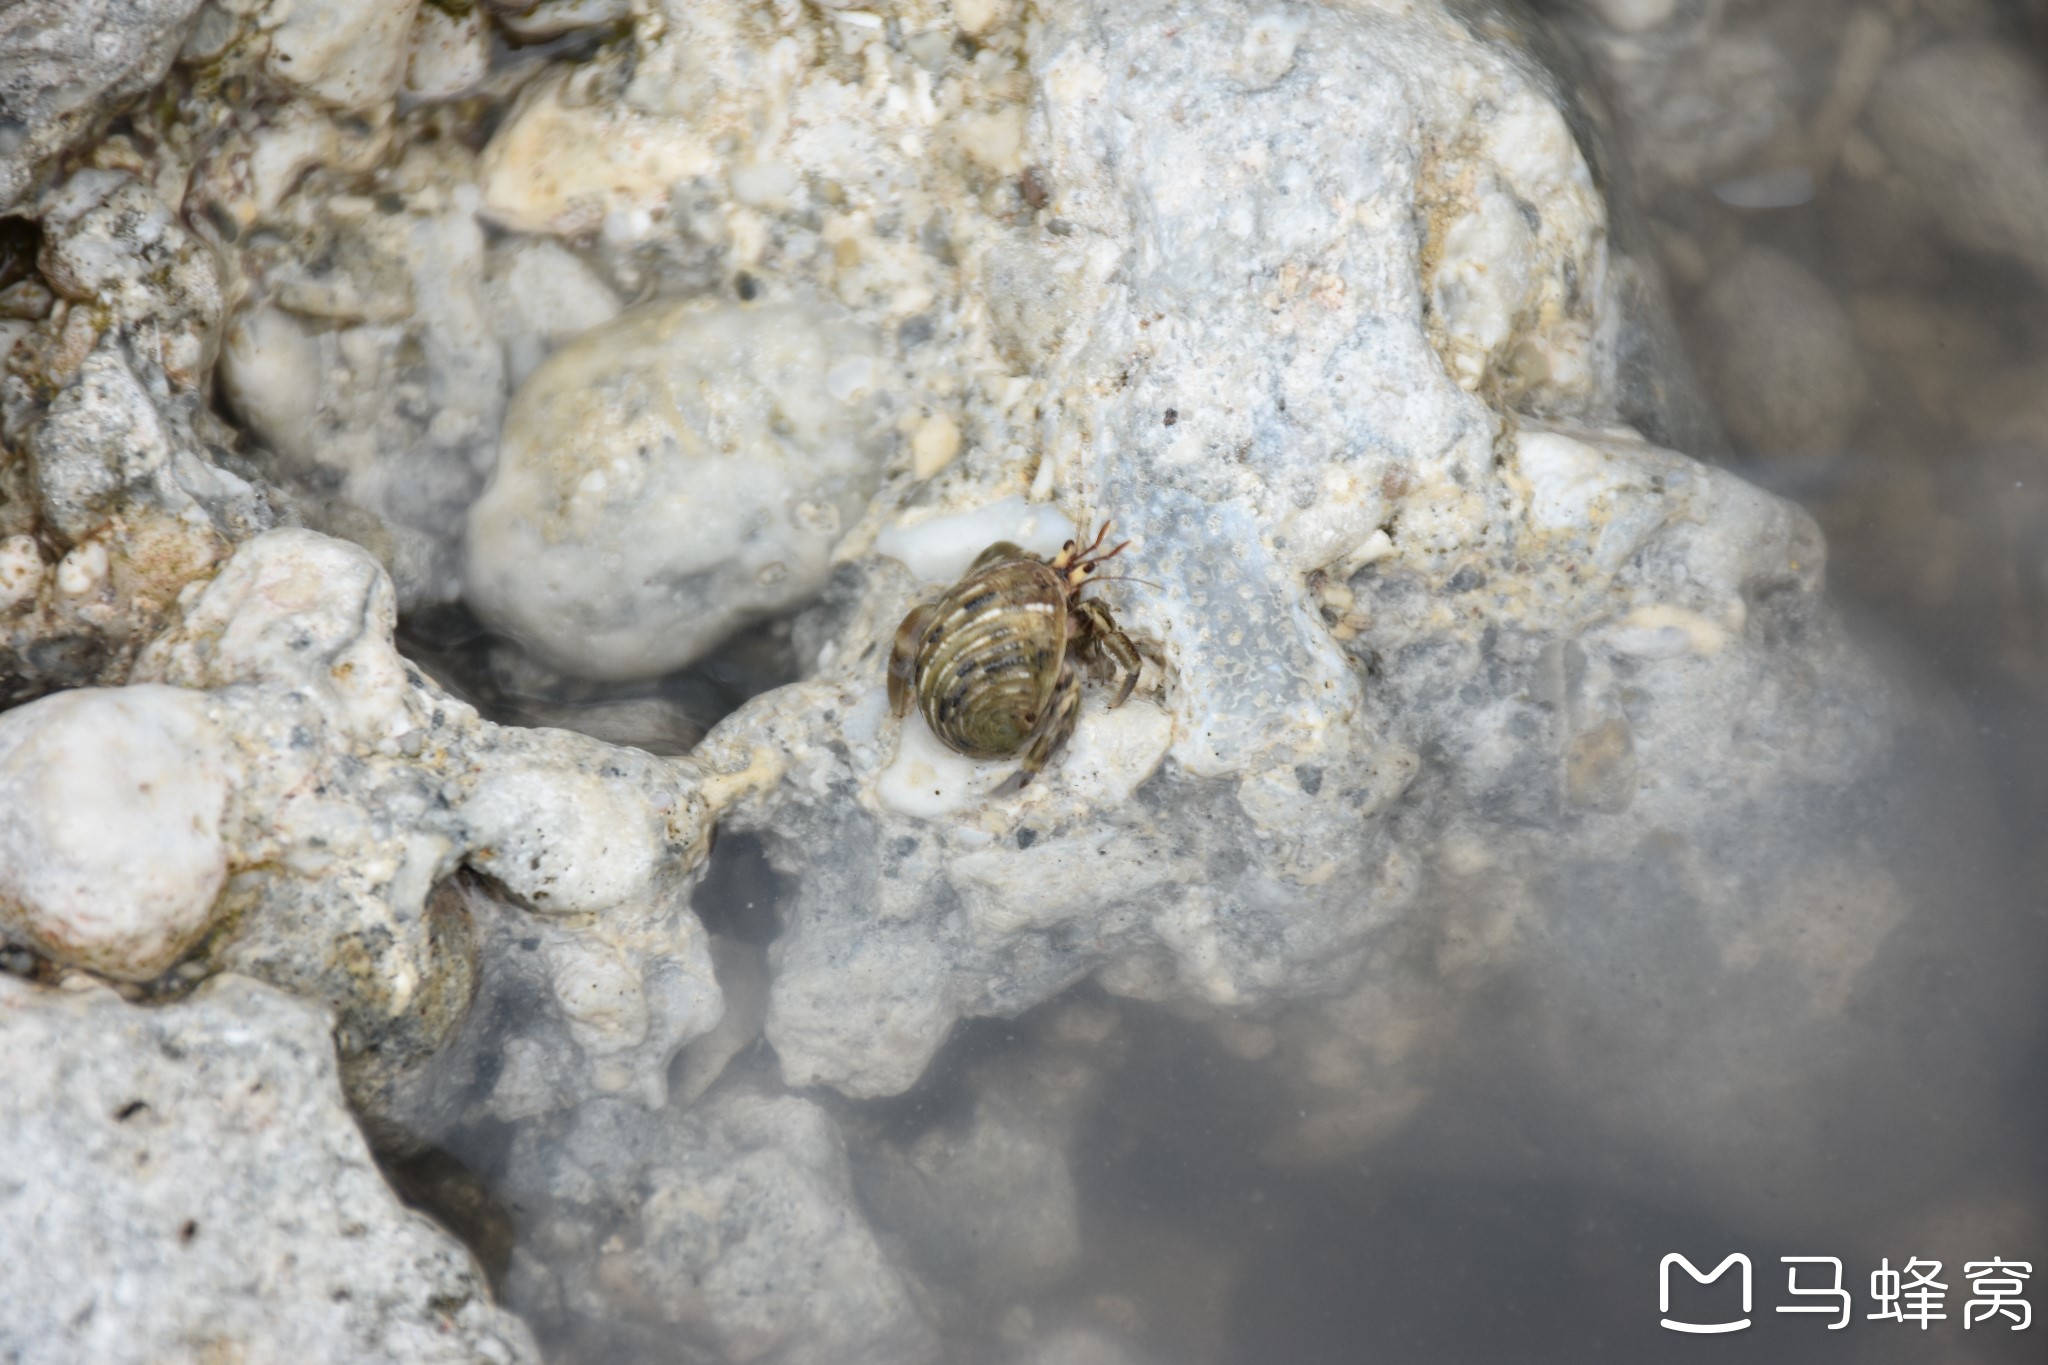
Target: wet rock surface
1502, 805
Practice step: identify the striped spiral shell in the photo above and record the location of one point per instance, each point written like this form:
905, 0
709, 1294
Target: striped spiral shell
991, 656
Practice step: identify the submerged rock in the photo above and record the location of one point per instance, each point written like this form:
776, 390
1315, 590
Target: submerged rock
741, 1237
1967, 124
556, 1010
185, 1181
1781, 357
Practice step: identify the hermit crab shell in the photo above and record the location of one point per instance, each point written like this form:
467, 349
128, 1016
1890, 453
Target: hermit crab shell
990, 657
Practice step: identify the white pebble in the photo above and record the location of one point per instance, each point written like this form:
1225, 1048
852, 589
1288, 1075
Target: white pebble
722, 441
111, 803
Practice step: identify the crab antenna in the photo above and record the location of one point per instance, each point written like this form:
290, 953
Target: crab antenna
1088, 562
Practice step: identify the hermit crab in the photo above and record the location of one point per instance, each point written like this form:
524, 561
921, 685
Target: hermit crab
991, 663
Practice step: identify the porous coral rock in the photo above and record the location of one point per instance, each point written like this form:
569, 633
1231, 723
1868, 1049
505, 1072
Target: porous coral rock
1317, 304
1238, 468
185, 1182
786, 151
109, 445
348, 53
356, 788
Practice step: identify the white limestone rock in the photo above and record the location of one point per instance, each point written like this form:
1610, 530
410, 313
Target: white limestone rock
1247, 439
1318, 304
671, 476
358, 791
1418, 654
541, 296
541, 174
111, 804
347, 53
449, 53
185, 1181
107, 438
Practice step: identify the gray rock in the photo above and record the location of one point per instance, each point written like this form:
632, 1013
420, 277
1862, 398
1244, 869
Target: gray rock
984, 1198
66, 68
557, 1010
1077, 1346
1967, 124
725, 1232
183, 1181
1457, 692
1780, 354
1411, 653
1239, 467
368, 367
